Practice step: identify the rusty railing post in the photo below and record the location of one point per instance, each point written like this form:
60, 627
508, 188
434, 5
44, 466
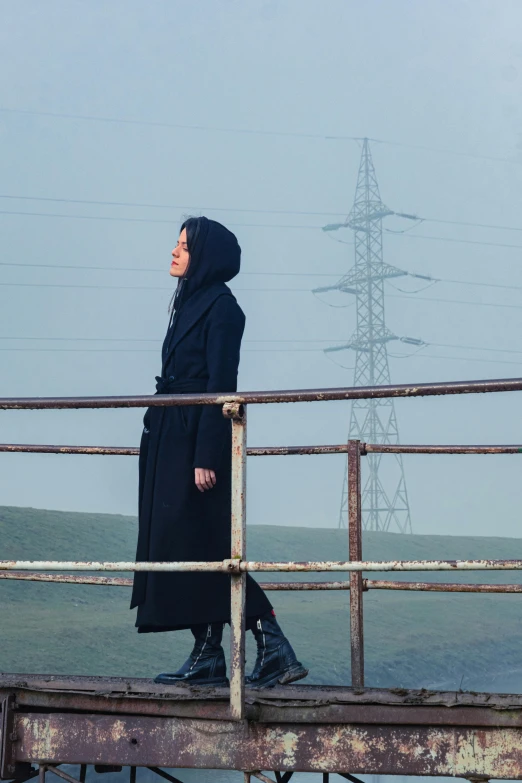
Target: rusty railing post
238, 579
355, 553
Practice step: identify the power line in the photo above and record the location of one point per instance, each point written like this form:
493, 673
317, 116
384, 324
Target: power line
456, 240
254, 132
474, 348
250, 290
136, 287
443, 151
163, 270
92, 287
470, 359
257, 341
248, 350
112, 218
151, 340
481, 285
472, 225
90, 339
180, 126
249, 273
455, 282
150, 350
94, 202
455, 301
148, 205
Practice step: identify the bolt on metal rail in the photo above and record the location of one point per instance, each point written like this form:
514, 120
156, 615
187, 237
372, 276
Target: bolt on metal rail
234, 408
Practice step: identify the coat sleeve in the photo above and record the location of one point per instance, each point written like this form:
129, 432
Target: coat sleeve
224, 327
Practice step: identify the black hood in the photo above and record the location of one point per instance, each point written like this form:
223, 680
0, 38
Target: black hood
215, 256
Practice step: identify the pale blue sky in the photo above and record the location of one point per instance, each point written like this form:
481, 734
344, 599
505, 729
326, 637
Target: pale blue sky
442, 74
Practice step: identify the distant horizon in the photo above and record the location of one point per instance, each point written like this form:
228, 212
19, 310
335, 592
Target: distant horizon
321, 529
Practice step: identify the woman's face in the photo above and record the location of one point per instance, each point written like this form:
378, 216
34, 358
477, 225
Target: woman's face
180, 256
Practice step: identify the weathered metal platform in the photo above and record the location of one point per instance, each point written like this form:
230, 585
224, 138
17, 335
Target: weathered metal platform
47, 721
52, 720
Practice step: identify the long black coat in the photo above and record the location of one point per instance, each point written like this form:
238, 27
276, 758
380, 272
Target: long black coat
176, 520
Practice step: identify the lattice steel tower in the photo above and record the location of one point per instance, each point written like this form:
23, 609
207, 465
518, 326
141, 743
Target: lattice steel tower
384, 499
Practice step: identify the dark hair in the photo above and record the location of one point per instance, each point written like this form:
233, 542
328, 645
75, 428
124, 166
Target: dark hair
191, 224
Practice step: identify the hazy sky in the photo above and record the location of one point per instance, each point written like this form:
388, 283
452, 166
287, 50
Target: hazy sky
264, 85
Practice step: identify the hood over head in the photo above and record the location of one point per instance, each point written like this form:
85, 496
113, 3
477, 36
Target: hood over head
215, 257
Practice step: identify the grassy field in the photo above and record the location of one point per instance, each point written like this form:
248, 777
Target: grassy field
411, 640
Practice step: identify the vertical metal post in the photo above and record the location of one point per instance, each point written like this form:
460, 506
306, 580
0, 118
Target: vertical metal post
238, 580
355, 553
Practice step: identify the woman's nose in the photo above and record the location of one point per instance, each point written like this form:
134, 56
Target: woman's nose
175, 253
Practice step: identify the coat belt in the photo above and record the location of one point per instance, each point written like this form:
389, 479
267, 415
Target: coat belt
172, 385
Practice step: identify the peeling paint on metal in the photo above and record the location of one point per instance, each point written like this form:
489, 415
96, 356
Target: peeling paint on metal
228, 566
303, 395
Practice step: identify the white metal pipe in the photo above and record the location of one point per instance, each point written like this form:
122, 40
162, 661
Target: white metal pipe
235, 566
238, 580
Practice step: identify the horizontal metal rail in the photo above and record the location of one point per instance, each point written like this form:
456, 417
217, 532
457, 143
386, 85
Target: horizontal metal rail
114, 451
133, 451
439, 587
385, 448
265, 397
368, 584
272, 451
237, 566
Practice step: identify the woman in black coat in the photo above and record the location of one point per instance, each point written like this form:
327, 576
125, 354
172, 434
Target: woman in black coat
185, 472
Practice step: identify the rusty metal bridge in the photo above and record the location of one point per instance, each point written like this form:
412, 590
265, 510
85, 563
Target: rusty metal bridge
48, 721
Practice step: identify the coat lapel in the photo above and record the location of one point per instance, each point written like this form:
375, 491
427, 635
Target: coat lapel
191, 312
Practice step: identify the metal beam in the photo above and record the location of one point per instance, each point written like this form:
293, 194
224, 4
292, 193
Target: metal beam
171, 742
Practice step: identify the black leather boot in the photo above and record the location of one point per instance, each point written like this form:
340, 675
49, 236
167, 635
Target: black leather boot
205, 664
276, 662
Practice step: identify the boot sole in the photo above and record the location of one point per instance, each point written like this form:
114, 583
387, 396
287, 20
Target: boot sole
285, 678
213, 681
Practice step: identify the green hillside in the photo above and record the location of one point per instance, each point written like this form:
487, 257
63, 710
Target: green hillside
410, 639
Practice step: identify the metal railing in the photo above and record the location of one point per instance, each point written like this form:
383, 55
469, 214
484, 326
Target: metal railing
234, 408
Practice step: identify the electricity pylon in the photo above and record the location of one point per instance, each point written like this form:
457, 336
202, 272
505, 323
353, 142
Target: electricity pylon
384, 498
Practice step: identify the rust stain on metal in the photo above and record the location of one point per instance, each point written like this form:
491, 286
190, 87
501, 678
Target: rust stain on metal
303, 395
319, 733
263, 778
238, 553
234, 566
282, 451
440, 587
367, 749
231, 410
355, 553
27, 576
386, 448
17, 448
